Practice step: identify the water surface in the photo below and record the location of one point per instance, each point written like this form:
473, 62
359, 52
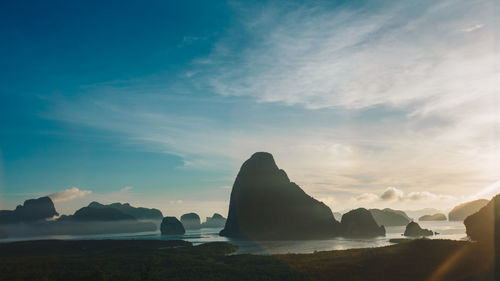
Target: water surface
446, 230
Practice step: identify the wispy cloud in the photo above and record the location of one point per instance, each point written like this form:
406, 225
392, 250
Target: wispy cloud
126, 188
401, 54
68, 194
473, 28
395, 194
359, 98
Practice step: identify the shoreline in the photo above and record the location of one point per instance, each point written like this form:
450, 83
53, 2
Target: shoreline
417, 259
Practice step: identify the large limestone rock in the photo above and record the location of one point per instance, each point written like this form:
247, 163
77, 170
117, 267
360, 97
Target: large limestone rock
414, 230
215, 221
484, 226
389, 217
139, 213
171, 226
264, 204
460, 212
360, 223
191, 221
435, 217
32, 210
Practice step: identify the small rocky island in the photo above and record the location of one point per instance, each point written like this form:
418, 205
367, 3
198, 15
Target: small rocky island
413, 229
191, 221
171, 226
360, 223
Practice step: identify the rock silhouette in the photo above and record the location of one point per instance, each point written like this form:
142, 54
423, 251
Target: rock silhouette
435, 217
415, 214
389, 217
99, 214
136, 212
414, 230
360, 223
484, 225
32, 210
264, 204
215, 221
460, 212
191, 221
171, 226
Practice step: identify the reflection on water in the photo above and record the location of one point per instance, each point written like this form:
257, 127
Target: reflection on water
446, 230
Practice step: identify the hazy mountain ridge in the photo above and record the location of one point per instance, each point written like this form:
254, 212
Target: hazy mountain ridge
390, 217
462, 211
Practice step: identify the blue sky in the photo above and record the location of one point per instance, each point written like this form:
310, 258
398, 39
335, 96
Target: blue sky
363, 103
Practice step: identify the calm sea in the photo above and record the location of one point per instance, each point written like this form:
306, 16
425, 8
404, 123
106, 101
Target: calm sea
446, 230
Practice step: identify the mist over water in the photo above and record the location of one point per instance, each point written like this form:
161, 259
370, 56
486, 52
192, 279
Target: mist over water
447, 230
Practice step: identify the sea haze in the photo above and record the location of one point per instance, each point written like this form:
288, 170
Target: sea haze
452, 230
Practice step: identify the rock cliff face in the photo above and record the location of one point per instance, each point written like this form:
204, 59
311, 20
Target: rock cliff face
264, 204
32, 210
360, 223
460, 212
484, 226
389, 217
435, 217
171, 226
414, 230
137, 212
215, 221
191, 221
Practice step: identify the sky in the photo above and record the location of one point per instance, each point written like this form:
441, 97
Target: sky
158, 103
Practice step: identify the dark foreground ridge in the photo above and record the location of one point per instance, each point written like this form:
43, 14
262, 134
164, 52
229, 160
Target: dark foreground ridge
265, 204
139, 260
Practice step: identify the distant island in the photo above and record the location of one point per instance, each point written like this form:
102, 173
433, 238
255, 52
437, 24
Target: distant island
32, 210
138, 213
415, 214
216, 221
434, 217
390, 217
38, 217
191, 221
